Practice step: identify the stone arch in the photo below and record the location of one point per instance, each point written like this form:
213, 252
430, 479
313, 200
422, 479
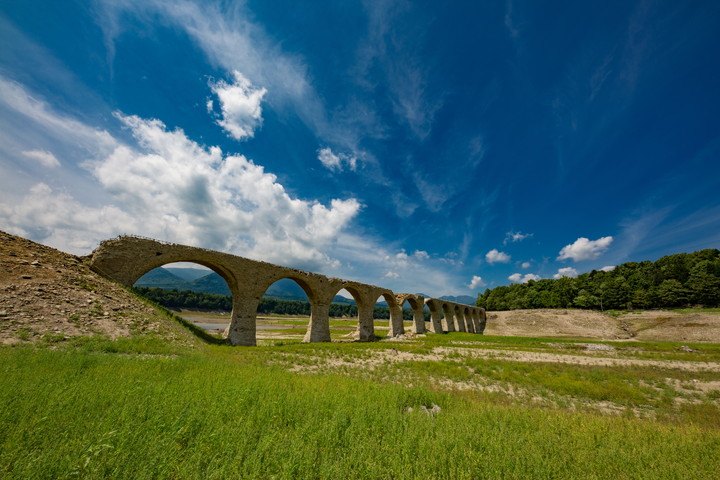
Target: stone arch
467, 315
396, 321
435, 307
417, 305
458, 318
448, 316
125, 259
309, 285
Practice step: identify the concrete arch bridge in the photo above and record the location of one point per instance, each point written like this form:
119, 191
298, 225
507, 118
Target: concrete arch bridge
125, 259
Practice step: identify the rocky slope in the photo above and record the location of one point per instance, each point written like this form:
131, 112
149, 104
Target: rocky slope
50, 295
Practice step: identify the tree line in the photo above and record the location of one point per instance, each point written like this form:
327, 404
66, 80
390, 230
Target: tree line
191, 300
679, 280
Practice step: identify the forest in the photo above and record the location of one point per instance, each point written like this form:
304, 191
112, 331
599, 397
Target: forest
190, 300
673, 281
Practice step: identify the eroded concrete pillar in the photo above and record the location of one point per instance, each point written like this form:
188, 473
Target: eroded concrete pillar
459, 320
483, 320
242, 329
366, 327
436, 321
448, 320
469, 321
319, 326
396, 321
418, 319
476, 320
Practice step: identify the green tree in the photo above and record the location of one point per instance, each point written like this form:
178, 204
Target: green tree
671, 293
703, 284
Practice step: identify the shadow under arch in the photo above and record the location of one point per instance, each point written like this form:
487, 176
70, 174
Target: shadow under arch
458, 318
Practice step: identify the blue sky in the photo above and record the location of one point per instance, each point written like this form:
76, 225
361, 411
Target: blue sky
427, 147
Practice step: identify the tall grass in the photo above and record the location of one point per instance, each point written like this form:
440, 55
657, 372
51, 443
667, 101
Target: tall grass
221, 413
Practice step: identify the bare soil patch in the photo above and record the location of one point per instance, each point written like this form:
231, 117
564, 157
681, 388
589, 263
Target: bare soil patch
48, 293
656, 325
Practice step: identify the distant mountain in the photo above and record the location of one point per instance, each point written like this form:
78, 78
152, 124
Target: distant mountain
188, 274
199, 280
160, 278
464, 299
210, 283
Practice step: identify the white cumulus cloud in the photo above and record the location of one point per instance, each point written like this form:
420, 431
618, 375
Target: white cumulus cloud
608, 268
566, 272
494, 256
520, 278
45, 158
584, 249
334, 161
391, 274
421, 255
526, 265
241, 113
476, 282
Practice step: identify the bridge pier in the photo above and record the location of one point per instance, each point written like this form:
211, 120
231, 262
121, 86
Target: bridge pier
396, 321
319, 326
448, 319
418, 318
243, 323
125, 259
467, 315
436, 321
366, 327
459, 320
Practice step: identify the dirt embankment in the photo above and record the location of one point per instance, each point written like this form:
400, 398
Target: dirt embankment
45, 292
654, 325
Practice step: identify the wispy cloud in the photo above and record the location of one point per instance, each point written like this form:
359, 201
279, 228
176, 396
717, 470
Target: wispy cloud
336, 162
395, 50
43, 157
513, 237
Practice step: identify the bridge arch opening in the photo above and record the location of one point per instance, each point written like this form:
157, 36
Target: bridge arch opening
387, 316
414, 313
196, 291
284, 310
343, 314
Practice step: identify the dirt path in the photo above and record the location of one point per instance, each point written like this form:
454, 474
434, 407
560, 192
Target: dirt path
595, 361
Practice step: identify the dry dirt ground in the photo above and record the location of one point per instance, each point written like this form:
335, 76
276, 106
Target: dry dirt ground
655, 325
48, 294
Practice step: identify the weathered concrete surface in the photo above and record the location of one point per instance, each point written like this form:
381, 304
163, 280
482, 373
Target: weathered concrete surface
125, 259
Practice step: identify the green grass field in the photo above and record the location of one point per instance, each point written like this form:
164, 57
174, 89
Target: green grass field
140, 408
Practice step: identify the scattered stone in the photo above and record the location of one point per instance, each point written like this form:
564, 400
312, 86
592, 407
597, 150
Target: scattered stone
26, 277
3, 313
432, 411
685, 348
599, 347
35, 263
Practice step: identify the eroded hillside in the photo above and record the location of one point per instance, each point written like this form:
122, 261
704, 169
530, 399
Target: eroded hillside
49, 295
